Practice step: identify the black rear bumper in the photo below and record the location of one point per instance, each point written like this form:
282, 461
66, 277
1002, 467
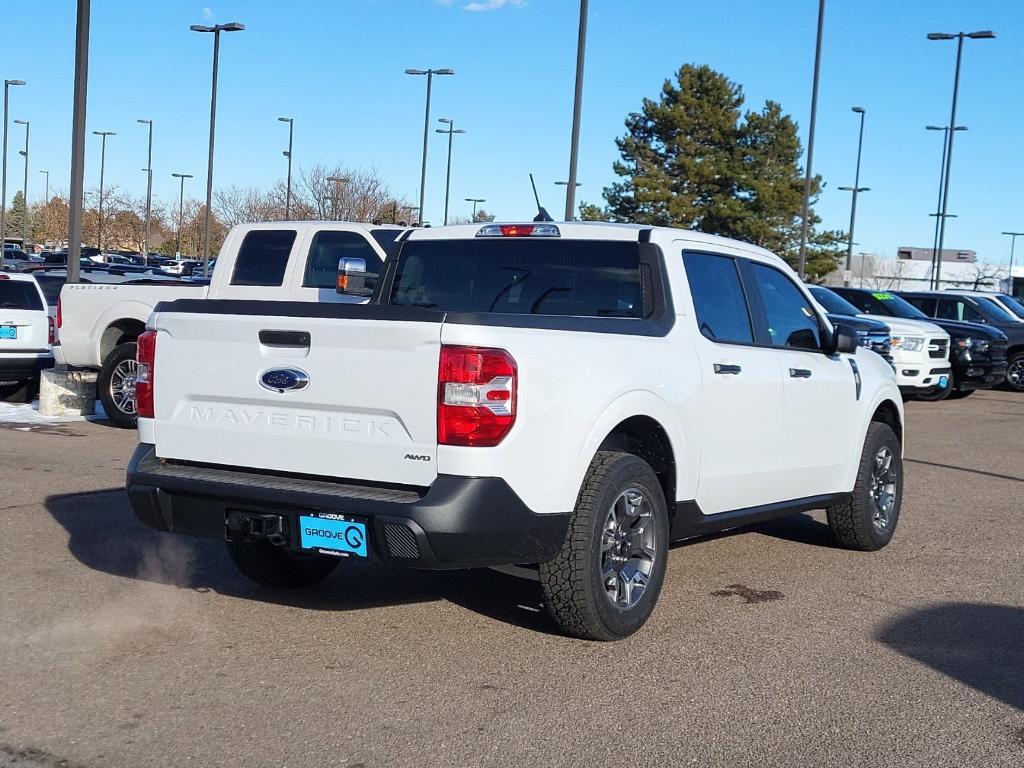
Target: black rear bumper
15, 368
458, 522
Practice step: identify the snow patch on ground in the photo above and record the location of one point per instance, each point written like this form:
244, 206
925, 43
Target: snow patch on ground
28, 414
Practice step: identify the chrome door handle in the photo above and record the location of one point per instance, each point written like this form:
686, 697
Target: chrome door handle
729, 369
799, 373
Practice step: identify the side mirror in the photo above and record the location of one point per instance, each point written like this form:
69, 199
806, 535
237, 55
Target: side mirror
844, 340
352, 276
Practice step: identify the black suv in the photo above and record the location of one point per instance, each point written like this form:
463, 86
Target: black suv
971, 308
871, 334
977, 353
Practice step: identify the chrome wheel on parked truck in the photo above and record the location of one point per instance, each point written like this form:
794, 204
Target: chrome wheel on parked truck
116, 385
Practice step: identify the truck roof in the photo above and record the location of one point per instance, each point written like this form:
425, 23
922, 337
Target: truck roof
600, 230
304, 225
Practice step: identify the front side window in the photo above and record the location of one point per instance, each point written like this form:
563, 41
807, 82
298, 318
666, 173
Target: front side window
958, 309
328, 247
925, 304
718, 298
792, 323
263, 257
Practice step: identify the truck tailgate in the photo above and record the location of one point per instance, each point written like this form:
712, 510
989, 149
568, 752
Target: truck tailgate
228, 388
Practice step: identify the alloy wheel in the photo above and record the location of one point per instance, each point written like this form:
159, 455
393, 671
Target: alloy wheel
122, 385
628, 548
883, 487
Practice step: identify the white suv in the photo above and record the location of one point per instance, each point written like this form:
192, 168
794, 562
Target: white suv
26, 333
574, 395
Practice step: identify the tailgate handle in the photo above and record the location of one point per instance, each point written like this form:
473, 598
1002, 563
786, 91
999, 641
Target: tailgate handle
294, 339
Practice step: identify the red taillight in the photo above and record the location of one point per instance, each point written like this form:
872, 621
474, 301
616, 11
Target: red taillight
52, 330
476, 396
145, 355
60, 316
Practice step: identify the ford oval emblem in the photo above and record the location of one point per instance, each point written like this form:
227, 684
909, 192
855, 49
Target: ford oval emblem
281, 380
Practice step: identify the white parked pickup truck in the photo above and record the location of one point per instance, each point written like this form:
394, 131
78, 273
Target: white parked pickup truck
574, 395
98, 323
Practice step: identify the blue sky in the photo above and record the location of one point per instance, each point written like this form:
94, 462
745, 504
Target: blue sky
337, 68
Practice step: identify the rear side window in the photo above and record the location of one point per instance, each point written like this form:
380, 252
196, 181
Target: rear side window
51, 285
263, 257
19, 294
923, 303
330, 246
718, 298
522, 276
792, 322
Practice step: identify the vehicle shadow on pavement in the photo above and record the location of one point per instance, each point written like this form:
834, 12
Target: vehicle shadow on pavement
981, 645
104, 535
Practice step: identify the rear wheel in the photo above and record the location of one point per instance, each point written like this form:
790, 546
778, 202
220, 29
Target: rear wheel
18, 392
274, 566
116, 384
1015, 373
867, 520
605, 580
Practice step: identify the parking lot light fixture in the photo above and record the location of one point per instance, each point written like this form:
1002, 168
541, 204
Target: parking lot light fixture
1013, 242
984, 34
181, 209
149, 185
451, 131
938, 206
336, 181
288, 154
474, 201
3, 183
103, 162
233, 26
426, 127
577, 112
24, 189
46, 194
855, 190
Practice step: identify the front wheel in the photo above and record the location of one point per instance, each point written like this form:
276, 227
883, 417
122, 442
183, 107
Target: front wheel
116, 384
605, 580
867, 520
937, 393
274, 566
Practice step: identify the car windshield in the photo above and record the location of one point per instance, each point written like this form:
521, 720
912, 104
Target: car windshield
832, 301
1015, 305
994, 312
884, 303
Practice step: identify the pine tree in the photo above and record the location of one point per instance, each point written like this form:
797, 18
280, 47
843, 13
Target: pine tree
692, 159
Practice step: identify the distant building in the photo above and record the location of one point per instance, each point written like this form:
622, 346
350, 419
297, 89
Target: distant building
925, 254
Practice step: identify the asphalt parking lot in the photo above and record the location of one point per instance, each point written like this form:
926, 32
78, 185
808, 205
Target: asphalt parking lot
120, 646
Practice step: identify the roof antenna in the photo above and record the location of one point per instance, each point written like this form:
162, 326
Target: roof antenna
542, 214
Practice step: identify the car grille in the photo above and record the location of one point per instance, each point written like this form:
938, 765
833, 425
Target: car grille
997, 349
938, 349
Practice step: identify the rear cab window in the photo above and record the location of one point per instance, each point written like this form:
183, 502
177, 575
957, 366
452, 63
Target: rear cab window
262, 258
20, 294
521, 276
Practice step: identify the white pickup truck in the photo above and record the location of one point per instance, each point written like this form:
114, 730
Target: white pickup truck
98, 323
575, 396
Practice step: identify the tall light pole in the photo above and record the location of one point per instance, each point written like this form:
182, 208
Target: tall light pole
103, 162
288, 154
474, 201
3, 184
335, 180
577, 111
78, 113
46, 195
426, 126
149, 187
938, 206
24, 188
451, 131
855, 190
181, 209
959, 36
1013, 243
809, 175
234, 26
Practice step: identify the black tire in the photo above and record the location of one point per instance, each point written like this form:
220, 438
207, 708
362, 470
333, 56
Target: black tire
855, 522
18, 392
1015, 373
936, 394
575, 595
122, 416
276, 567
